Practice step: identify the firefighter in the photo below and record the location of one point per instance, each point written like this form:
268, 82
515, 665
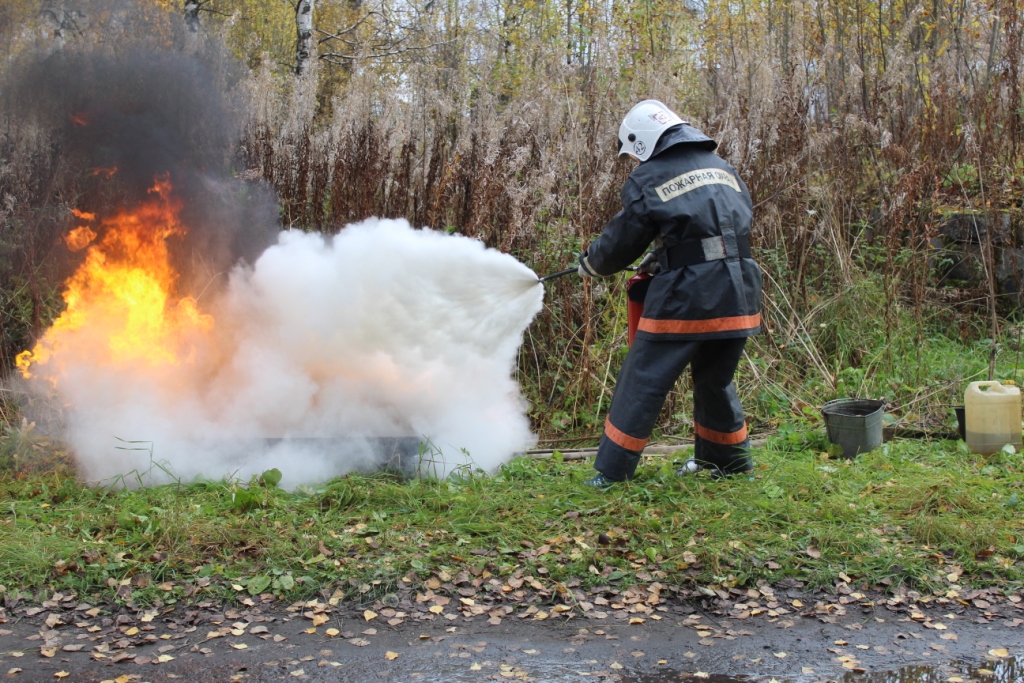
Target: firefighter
702, 303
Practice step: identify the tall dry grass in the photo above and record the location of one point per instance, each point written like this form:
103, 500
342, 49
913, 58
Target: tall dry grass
858, 127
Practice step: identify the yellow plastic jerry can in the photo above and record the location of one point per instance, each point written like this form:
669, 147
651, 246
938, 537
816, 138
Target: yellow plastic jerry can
993, 415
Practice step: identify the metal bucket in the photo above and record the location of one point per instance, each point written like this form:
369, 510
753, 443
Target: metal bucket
854, 424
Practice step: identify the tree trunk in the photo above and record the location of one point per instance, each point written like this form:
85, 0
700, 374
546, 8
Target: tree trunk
54, 11
304, 46
192, 15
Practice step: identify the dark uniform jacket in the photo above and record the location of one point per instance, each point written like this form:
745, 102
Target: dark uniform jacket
691, 203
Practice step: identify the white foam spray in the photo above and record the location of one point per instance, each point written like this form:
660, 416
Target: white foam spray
320, 349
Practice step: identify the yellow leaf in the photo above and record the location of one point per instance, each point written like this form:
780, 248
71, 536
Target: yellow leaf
332, 632
123, 678
13, 670
475, 667
389, 655
436, 609
635, 620
780, 655
540, 616
163, 659
999, 652
561, 608
369, 615
239, 646
615, 665
797, 603
49, 652
320, 619
61, 674
132, 631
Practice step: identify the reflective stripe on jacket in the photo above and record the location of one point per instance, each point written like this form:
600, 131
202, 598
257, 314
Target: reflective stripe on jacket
686, 197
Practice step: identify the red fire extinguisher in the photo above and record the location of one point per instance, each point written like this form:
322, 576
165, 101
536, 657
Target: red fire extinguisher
636, 292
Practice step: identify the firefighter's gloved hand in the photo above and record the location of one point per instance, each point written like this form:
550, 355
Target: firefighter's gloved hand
650, 264
585, 270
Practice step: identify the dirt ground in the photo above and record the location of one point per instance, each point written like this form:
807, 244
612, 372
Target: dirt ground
77, 642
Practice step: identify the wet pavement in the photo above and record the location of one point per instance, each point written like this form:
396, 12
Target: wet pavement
869, 646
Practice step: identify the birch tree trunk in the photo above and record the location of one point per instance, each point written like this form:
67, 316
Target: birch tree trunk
58, 20
304, 46
192, 15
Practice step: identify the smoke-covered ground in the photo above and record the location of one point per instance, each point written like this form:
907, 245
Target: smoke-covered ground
216, 355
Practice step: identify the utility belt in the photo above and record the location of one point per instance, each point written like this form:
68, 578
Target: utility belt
728, 246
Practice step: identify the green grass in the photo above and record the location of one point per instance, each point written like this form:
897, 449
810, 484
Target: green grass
910, 512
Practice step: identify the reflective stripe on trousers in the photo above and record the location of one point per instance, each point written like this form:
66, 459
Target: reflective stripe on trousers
649, 372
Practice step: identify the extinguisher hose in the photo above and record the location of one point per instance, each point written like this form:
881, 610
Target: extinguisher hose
568, 271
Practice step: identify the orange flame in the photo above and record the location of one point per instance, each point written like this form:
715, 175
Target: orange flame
79, 238
120, 303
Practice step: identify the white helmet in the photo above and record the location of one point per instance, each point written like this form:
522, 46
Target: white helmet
643, 126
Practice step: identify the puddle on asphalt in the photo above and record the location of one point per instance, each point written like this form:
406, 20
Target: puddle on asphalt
1007, 670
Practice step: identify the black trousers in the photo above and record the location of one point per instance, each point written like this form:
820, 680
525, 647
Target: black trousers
648, 374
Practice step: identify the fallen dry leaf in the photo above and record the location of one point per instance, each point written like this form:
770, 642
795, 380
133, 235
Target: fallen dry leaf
61, 674
389, 655
239, 646
812, 551
298, 672
163, 659
435, 609
635, 620
999, 652
780, 655
369, 615
320, 620
615, 665
332, 632
14, 670
47, 651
